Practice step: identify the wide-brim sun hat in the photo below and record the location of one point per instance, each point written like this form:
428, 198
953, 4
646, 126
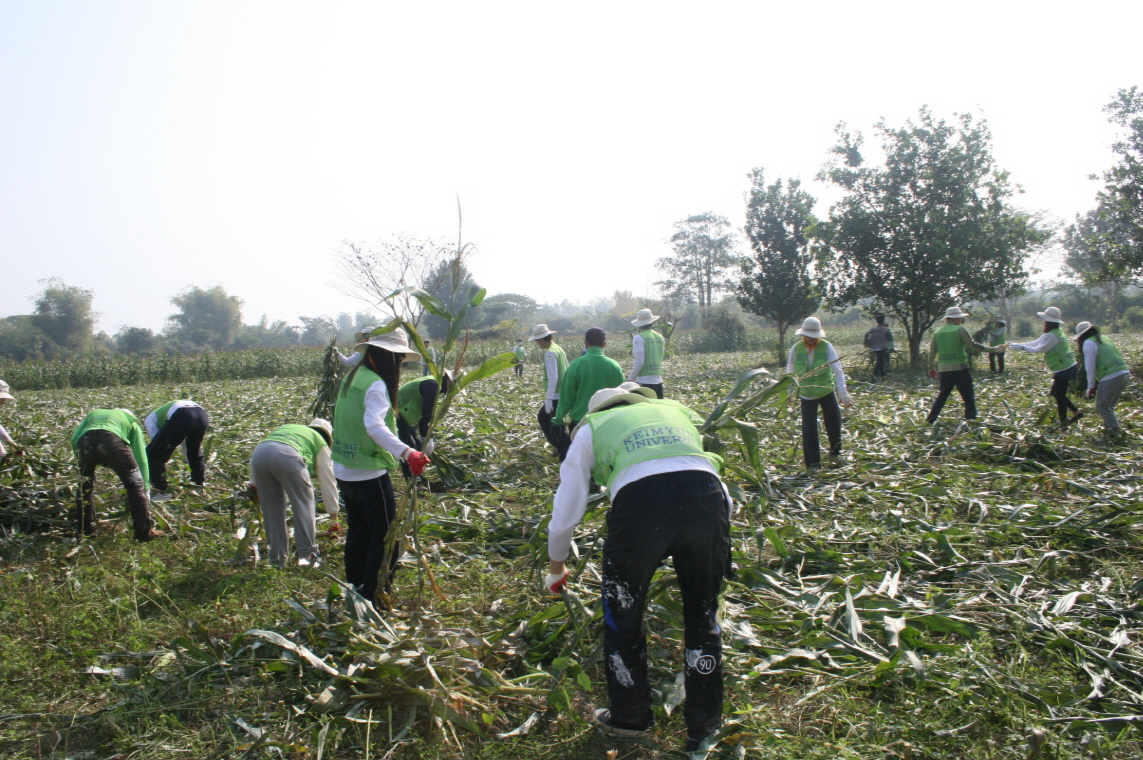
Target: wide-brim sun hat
396, 342
1051, 314
5, 391
1082, 327
363, 333
319, 424
609, 397
811, 328
539, 332
643, 317
954, 312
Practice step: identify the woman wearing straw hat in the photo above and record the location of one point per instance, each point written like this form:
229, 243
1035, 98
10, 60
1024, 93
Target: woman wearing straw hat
1107, 374
1060, 359
821, 382
948, 361
666, 501
365, 449
555, 363
282, 468
647, 348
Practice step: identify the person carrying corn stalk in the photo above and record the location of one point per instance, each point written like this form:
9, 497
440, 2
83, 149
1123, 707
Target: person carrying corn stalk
173, 423
821, 383
113, 438
667, 500
282, 468
365, 449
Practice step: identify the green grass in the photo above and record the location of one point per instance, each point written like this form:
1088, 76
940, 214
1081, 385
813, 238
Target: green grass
1014, 550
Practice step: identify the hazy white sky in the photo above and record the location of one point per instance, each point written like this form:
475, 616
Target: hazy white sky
151, 145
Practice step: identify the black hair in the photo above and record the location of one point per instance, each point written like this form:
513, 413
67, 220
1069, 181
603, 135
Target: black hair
595, 337
879, 318
1091, 332
324, 434
1049, 326
386, 364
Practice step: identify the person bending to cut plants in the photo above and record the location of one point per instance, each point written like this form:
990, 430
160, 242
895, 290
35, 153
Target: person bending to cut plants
113, 438
948, 361
281, 469
666, 501
1060, 360
416, 401
173, 423
365, 449
821, 382
1107, 374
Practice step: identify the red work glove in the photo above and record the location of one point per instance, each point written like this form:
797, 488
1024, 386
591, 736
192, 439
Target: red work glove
417, 462
1091, 392
933, 374
253, 493
553, 583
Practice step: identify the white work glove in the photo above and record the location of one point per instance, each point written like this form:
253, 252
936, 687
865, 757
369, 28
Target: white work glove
547, 406
428, 447
553, 583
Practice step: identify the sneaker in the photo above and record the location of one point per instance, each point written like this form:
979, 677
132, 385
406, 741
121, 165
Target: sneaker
603, 722
161, 496
312, 561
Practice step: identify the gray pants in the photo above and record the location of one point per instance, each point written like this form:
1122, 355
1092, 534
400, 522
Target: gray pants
1106, 397
279, 473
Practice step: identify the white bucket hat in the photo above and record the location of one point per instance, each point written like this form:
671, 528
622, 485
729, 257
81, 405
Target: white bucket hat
954, 312
811, 328
540, 332
643, 317
396, 342
1082, 327
1051, 314
320, 424
5, 391
364, 333
627, 392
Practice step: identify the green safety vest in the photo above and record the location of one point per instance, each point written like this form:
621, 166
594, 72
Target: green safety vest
996, 337
521, 353
352, 446
1108, 361
950, 348
1060, 356
409, 400
653, 346
561, 365
303, 439
626, 435
123, 424
820, 380
162, 412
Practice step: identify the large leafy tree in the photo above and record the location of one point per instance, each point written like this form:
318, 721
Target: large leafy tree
703, 246
776, 282
1096, 254
930, 228
64, 315
205, 318
1121, 202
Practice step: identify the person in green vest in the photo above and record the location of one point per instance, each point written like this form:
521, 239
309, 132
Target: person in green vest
555, 363
1060, 360
5, 438
365, 449
667, 500
282, 469
416, 401
175, 422
1107, 374
113, 438
821, 384
521, 356
585, 375
997, 336
647, 348
948, 362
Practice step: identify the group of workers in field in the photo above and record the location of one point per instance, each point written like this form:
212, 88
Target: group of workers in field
608, 428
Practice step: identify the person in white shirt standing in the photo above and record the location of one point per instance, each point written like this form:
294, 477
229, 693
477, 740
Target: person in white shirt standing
821, 383
5, 397
1107, 374
1060, 359
647, 348
555, 363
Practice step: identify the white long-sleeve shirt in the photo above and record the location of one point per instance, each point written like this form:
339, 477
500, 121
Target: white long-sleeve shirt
835, 365
638, 352
376, 408
4, 437
1041, 345
323, 464
552, 393
349, 361
151, 421
570, 501
1090, 353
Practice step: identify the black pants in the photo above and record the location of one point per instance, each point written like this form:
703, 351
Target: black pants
102, 447
683, 515
1060, 382
831, 415
519, 369
370, 508
996, 362
409, 436
557, 435
657, 387
880, 363
960, 379
187, 425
